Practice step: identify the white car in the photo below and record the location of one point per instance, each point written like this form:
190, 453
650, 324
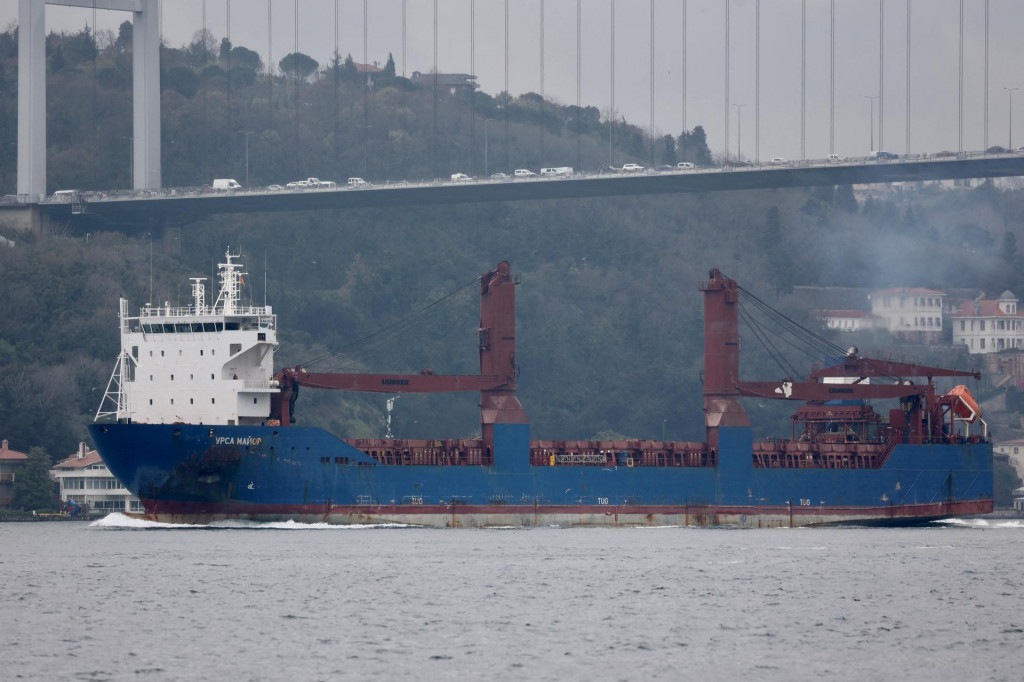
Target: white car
460, 177
632, 168
524, 173
274, 188
779, 161
834, 158
297, 184
500, 176
685, 165
357, 182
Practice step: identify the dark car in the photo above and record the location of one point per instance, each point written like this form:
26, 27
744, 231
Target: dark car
996, 150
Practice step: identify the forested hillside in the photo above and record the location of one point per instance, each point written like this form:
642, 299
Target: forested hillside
609, 315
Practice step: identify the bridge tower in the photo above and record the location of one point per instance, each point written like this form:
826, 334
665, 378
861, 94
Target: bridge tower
32, 91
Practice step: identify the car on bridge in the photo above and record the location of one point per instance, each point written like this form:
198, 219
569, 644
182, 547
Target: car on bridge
274, 188
354, 183
461, 177
524, 173
883, 156
834, 158
297, 184
500, 176
632, 168
779, 161
685, 165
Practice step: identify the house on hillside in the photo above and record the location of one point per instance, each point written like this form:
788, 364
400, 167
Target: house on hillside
848, 320
989, 326
452, 82
85, 480
1014, 451
910, 313
11, 461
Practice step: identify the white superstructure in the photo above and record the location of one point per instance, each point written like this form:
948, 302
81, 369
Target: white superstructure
198, 364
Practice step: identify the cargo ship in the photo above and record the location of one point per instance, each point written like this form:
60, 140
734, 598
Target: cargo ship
196, 422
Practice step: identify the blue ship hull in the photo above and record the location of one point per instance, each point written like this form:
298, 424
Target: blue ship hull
201, 474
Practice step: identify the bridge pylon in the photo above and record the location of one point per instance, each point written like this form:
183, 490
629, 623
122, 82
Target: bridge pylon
145, 147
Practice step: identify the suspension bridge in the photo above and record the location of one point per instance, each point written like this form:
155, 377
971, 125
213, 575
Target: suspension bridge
666, 45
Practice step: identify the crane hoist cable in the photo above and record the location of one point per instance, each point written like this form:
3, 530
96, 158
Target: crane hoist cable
393, 327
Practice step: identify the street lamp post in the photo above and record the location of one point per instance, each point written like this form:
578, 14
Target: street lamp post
1010, 90
739, 127
871, 102
247, 133
486, 121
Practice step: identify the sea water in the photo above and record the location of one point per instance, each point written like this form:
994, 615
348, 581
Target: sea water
125, 600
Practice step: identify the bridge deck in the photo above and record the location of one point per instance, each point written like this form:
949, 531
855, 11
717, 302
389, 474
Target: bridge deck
184, 203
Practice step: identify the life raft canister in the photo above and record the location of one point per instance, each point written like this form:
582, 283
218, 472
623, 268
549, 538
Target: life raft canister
966, 407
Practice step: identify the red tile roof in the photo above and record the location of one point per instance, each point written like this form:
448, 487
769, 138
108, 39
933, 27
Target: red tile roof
11, 455
844, 313
76, 462
909, 290
985, 309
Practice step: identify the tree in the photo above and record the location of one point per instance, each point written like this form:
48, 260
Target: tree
693, 146
202, 50
845, 200
389, 67
299, 66
1009, 250
244, 58
668, 153
125, 32
33, 488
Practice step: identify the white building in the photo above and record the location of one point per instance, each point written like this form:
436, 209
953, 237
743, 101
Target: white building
910, 313
1014, 450
85, 480
849, 320
989, 326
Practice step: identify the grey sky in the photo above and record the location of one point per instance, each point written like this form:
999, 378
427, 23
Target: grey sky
934, 68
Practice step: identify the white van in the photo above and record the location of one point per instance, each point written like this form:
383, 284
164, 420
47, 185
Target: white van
560, 171
523, 173
224, 184
357, 182
65, 194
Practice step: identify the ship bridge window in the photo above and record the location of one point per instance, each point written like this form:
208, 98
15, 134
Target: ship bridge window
231, 326
168, 329
135, 352
182, 328
209, 327
197, 327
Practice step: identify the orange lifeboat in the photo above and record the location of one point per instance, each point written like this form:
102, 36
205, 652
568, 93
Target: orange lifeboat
964, 405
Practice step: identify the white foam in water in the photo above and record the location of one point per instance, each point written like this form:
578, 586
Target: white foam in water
119, 520
984, 523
